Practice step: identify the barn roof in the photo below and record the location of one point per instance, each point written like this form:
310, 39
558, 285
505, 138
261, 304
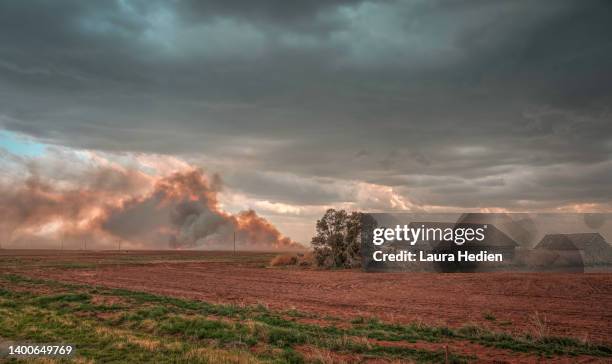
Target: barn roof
581, 241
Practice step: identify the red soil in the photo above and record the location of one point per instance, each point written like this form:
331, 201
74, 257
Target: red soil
577, 305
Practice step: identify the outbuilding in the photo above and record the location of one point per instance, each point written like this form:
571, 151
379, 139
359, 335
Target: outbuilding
592, 247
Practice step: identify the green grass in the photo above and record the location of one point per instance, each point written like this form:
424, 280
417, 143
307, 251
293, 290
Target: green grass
116, 325
547, 346
140, 326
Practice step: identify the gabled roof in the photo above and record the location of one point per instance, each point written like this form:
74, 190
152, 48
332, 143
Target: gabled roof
580, 241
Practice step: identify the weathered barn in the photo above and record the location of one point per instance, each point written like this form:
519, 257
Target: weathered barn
592, 247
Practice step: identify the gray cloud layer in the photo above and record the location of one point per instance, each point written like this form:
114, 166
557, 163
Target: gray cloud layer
462, 103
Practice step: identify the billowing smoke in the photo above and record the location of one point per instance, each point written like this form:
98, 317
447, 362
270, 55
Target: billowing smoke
114, 205
43, 212
182, 209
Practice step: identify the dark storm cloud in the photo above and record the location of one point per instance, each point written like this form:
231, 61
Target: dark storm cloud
287, 188
454, 103
268, 11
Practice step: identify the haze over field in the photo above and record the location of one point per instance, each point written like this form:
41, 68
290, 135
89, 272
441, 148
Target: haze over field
174, 124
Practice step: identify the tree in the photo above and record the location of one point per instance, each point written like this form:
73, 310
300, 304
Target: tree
338, 239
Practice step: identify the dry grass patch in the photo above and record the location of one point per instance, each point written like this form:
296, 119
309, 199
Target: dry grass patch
148, 344
142, 342
210, 355
148, 325
108, 332
82, 360
174, 346
296, 259
259, 330
41, 360
539, 325
284, 260
324, 356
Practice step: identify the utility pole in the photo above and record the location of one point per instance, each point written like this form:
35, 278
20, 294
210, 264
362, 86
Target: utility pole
234, 242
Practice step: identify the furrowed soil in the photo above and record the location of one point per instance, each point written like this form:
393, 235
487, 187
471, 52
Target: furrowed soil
576, 305
570, 305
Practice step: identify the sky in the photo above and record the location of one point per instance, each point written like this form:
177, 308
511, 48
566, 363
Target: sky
290, 108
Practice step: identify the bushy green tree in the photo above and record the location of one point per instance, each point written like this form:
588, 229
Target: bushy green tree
338, 239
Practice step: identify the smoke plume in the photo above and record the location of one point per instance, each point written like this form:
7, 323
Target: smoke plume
116, 205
